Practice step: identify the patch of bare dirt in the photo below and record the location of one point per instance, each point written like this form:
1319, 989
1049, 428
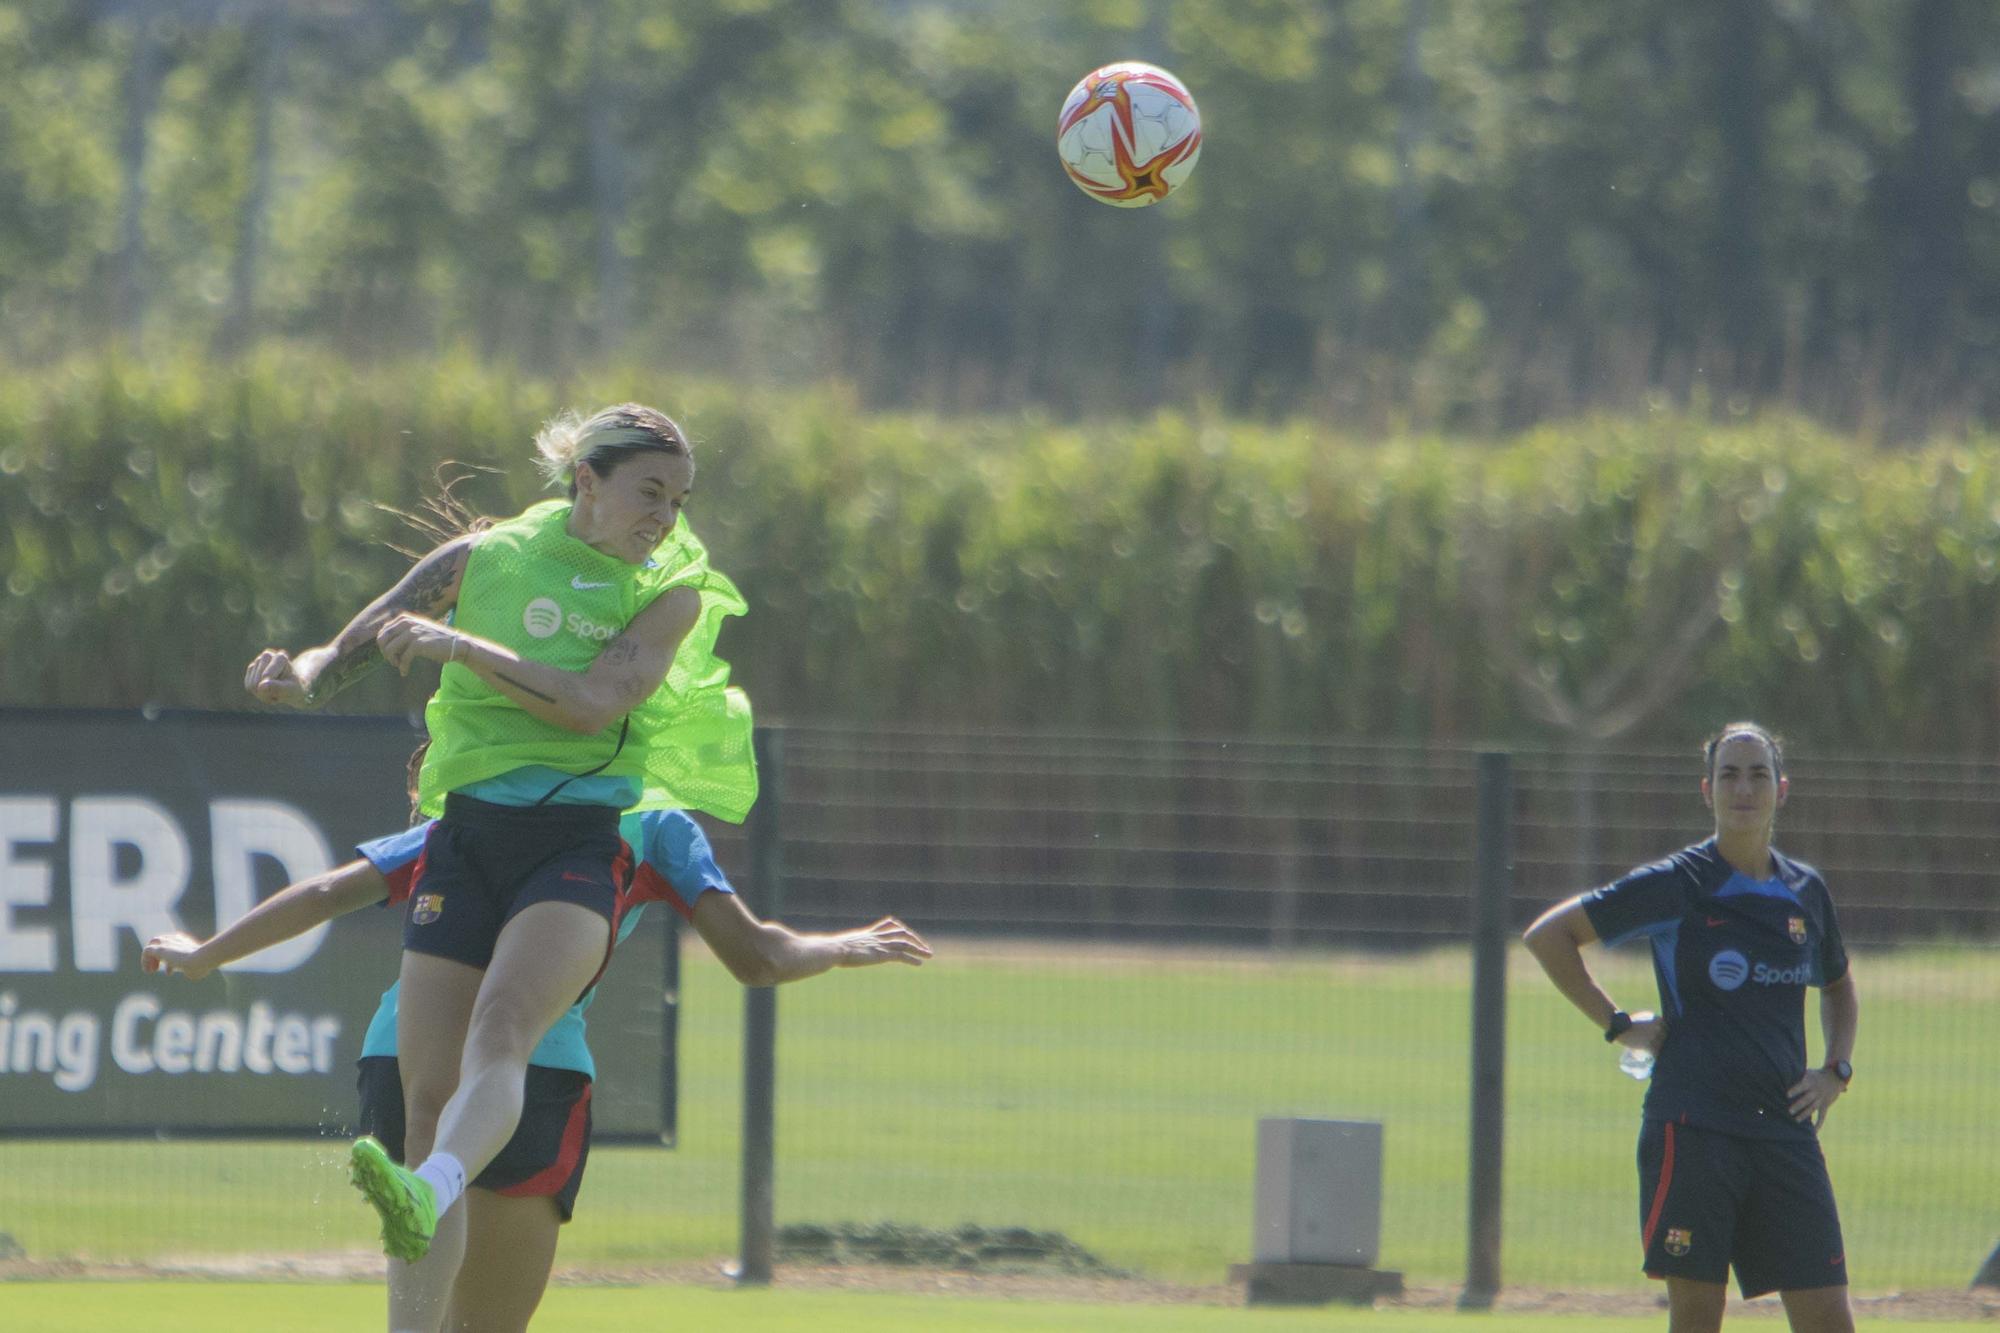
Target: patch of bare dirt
900, 1278
321, 1266
1906, 1305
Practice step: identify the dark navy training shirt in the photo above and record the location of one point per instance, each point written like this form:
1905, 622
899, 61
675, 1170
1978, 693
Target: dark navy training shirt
1733, 956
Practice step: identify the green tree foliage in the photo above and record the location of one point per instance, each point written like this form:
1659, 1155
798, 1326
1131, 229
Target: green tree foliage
1460, 214
1183, 572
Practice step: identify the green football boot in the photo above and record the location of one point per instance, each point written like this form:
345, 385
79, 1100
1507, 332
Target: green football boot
404, 1201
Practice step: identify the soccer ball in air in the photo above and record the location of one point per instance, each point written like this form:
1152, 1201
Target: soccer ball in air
1129, 134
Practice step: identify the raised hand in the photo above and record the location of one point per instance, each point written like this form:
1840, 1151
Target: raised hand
274, 678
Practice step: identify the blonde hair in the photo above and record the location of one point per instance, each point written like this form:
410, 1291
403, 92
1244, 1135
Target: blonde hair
603, 440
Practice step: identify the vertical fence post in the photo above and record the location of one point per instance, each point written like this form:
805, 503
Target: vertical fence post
670, 1034
758, 1240
1492, 875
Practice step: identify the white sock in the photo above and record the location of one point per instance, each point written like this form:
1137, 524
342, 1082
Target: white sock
446, 1177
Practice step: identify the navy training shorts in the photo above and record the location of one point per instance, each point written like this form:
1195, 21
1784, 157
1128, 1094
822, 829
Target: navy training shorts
483, 864
1709, 1200
546, 1156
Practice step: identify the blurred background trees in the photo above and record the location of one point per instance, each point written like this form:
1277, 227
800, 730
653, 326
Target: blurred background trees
1605, 580
1464, 391
1467, 214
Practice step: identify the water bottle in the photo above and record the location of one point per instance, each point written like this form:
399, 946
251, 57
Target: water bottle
1634, 1062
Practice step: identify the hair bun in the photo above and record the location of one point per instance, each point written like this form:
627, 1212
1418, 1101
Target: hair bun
567, 439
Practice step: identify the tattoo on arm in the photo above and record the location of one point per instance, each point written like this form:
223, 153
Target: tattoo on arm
627, 675
524, 687
348, 665
426, 590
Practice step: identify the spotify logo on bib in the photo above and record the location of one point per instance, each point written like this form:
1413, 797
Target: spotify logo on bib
542, 617
1728, 969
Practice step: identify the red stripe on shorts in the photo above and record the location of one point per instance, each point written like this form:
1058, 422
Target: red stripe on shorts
550, 1179
404, 880
1660, 1189
621, 886
649, 886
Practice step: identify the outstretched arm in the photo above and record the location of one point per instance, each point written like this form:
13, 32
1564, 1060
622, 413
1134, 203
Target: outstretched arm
317, 674
291, 911
765, 953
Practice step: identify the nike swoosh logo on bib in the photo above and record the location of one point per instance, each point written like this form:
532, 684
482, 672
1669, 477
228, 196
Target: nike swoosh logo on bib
581, 586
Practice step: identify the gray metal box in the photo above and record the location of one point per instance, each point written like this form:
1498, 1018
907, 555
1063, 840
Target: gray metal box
1319, 1192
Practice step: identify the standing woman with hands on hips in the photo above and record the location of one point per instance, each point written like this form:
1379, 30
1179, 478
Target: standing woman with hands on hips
1730, 1168
578, 681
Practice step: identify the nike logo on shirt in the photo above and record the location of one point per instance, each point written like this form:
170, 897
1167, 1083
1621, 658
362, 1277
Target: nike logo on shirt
582, 586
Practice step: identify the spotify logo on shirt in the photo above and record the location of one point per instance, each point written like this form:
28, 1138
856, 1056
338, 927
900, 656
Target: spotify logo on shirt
542, 617
1728, 969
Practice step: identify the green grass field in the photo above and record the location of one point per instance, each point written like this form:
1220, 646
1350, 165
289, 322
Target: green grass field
198, 1307
1114, 1096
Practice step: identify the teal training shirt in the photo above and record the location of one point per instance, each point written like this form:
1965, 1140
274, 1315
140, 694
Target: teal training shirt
531, 786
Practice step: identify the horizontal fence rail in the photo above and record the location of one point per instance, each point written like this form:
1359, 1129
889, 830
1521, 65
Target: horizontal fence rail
1312, 843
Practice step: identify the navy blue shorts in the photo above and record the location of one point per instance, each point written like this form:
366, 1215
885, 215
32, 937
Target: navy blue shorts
483, 864
1709, 1200
546, 1156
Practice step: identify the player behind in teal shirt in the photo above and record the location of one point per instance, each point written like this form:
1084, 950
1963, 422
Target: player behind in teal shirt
675, 866
522, 1197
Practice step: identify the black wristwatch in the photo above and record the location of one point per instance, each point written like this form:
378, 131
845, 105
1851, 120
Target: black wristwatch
1841, 1070
1621, 1023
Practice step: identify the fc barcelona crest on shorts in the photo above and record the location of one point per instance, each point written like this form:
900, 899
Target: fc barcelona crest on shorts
1679, 1241
426, 908
1796, 926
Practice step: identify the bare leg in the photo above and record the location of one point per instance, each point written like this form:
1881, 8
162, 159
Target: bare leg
1695, 1307
432, 1013
510, 1248
1818, 1310
415, 1304
542, 961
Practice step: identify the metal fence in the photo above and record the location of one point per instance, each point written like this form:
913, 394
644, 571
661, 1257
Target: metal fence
1288, 923
1318, 843
1144, 945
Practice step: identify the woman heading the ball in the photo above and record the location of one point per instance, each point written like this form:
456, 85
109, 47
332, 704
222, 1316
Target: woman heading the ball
578, 680
1730, 1168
